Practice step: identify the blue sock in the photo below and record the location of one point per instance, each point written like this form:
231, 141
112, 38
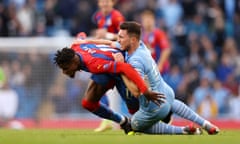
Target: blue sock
186, 112
104, 112
104, 100
162, 128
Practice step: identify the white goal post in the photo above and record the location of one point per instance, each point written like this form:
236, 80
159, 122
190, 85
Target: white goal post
28, 44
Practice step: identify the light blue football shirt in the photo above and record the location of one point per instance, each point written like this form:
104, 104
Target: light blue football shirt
143, 62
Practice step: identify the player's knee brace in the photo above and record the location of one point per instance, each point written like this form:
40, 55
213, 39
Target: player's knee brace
91, 106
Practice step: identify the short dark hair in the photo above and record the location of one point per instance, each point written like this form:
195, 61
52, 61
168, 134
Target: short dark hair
148, 12
133, 28
64, 56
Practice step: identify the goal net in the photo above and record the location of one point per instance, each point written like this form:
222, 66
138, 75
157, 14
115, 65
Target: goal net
41, 89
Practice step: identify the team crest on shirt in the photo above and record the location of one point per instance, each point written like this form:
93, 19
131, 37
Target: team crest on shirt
91, 51
108, 21
151, 38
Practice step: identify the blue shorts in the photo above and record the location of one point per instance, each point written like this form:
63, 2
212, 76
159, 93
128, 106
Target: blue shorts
105, 79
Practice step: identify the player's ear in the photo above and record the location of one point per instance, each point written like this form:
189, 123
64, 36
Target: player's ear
133, 39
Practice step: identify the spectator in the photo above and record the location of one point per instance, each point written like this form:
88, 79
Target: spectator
156, 40
221, 96
208, 107
8, 104
108, 20
210, 55
200, 93
174, 77
234, 110
225, 68
172, 13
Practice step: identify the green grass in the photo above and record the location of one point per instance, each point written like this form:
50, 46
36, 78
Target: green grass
62, 136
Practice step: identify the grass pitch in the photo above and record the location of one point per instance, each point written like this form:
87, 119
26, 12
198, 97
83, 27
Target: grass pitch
68, 136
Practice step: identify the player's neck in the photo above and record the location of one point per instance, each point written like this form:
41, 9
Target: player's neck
149, 30
133, 48
107, 12
78, 61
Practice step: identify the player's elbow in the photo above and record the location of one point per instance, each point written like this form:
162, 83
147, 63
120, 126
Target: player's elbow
136, 94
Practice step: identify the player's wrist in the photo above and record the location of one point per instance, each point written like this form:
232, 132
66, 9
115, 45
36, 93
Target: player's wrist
146, 92
116, 44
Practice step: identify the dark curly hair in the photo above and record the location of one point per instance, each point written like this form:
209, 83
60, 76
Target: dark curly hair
64, 56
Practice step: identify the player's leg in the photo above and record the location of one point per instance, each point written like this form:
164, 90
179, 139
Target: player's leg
186, 112
131, 102
91, 102
147, 116
148, 122
168, 118
112, 100
163, 128
114, 103
168, 91
150, 114
105, 124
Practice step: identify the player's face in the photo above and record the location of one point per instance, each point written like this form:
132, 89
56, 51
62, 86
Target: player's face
69, 69
124, 39
147, 21
105, 5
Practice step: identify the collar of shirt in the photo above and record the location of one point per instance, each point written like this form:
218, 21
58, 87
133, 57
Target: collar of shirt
81, 66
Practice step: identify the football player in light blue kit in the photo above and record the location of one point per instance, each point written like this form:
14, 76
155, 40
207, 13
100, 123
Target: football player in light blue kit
149, 113
146, 119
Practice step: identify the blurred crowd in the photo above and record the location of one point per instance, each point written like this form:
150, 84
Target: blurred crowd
204, 61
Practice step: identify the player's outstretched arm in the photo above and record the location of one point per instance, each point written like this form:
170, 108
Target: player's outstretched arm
113, 44
133, 75
132, 87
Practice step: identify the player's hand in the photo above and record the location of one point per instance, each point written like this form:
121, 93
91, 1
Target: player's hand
115, 44
155, 97
79, 41
118, 57
100, 33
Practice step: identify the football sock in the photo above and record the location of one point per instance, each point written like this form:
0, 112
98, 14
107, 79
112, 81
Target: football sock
162, 128
186, 112
104, 112
104, 100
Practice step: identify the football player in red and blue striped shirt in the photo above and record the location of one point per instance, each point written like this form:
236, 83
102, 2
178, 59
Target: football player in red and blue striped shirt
98, 60
107, 20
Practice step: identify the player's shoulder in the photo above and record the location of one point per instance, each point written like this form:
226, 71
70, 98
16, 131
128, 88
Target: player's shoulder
138, 55
116, 12
75, 46
97, 15
158, 31
135, 60
142, 47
